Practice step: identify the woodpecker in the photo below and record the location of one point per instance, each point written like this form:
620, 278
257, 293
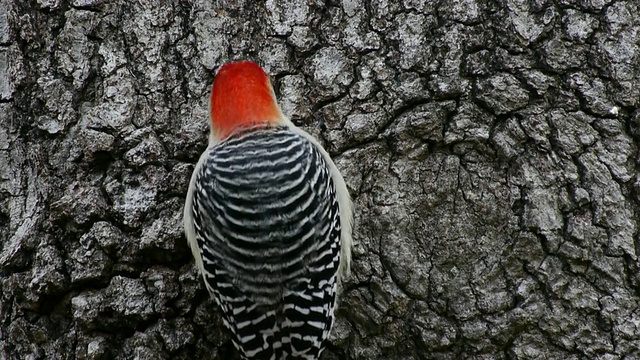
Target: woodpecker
268, 219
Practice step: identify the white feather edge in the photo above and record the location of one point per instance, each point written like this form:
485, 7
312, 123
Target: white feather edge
189, 227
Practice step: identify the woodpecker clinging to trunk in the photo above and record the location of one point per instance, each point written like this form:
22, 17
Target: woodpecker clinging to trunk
268, 219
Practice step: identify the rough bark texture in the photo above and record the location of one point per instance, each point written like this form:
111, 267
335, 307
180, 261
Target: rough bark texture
490, 147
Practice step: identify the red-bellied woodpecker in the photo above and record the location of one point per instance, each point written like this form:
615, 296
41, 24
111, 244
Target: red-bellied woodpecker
268, 219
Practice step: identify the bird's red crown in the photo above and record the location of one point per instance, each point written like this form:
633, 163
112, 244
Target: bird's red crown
242, 96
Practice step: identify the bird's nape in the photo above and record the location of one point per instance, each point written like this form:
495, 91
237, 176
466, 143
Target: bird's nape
242, 95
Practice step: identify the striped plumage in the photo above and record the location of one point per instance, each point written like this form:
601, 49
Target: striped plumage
270, 240
268, 219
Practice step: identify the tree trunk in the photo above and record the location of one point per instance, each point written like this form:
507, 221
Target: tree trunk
490, 148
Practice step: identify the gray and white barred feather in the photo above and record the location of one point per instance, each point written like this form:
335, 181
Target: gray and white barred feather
267, 222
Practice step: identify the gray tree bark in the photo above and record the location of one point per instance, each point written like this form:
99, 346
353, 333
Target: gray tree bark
490, 148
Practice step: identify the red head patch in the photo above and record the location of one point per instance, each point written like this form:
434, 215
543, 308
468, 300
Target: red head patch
242, 96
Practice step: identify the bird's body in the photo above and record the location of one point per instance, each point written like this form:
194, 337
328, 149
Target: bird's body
268, 219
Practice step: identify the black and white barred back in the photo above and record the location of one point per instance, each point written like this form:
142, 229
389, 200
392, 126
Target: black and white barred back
269, 230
